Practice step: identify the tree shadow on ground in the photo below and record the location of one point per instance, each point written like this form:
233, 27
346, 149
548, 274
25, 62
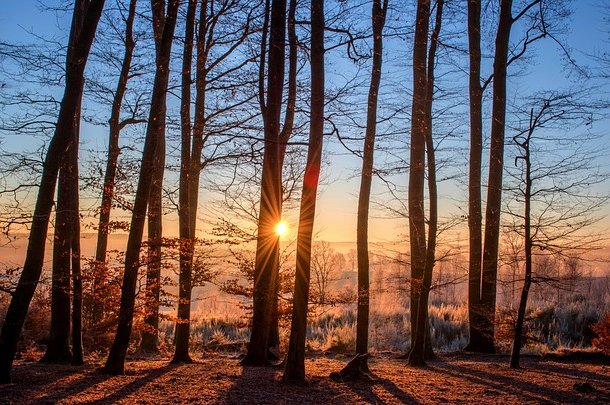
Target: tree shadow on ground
364, 388
49, 384
264, 385
527, 391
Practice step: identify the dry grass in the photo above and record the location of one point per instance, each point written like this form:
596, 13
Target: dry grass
459, 378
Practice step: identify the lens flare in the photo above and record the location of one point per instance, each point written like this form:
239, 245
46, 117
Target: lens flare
281, 228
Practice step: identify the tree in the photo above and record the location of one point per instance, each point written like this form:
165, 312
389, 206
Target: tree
60, 143
108, 190
475, 250
295, 358
379, 12
554, 187
482, 280
115, 363
325, 262
421, 334
267, 246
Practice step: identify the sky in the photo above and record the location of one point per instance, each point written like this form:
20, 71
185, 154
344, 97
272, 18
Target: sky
337, 203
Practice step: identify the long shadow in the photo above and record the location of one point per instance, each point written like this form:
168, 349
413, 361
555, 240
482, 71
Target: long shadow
49, 377
524, 390
90, 379
564, 369
263, 385
365, 390
139, 383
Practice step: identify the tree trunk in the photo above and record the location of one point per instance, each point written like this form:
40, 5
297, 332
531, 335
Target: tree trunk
285, 134
419, 123
75, 253
58, 347
474, 176
101, 268
267, 249
421, 346
181, 353
527, 196
364, 197
494, 189
295, 359
32, 268
115, 363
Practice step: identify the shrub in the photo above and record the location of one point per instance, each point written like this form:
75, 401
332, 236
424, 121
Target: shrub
602, 329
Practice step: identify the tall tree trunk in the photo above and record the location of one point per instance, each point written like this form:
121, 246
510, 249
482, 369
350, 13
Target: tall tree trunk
101, 268
181, 353
267, 248
364, 197
474, 176
295, 359
77, 283
419, 123
155, 211
527, 196
494, 189
58, 347
421, 346
32, 268
115, 364
285, 134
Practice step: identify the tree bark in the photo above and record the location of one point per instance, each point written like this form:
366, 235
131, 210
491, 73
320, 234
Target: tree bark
419, 124
364, 196
285, 134
181, 353
115, 364
295, 359
75, 251
16, 313
494, 189
527, 196
474, 175
421, 346
267, 249
58, 346
101, 268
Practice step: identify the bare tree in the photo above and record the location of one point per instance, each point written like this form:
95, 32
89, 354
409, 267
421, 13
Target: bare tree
267, 250
108, 190
60, 143
295, 358
379, 13
554, 187
115, 363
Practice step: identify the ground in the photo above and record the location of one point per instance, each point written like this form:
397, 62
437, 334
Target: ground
220, 379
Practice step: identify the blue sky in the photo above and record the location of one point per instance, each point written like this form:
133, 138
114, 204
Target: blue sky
337, 202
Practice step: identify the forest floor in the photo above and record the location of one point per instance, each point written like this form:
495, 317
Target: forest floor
220, 379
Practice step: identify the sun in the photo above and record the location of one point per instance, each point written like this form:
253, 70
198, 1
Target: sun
281, 228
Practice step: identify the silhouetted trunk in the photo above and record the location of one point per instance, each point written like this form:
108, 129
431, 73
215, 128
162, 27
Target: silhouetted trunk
115, 363
474, 175
181, 353
267, 248
421, 346
295, 359
115, 124
364, 197
285, 134
494, 189
527, 197
58, 346
419, 124
59, 144
75, 253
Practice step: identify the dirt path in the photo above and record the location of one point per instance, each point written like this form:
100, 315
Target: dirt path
221, 379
